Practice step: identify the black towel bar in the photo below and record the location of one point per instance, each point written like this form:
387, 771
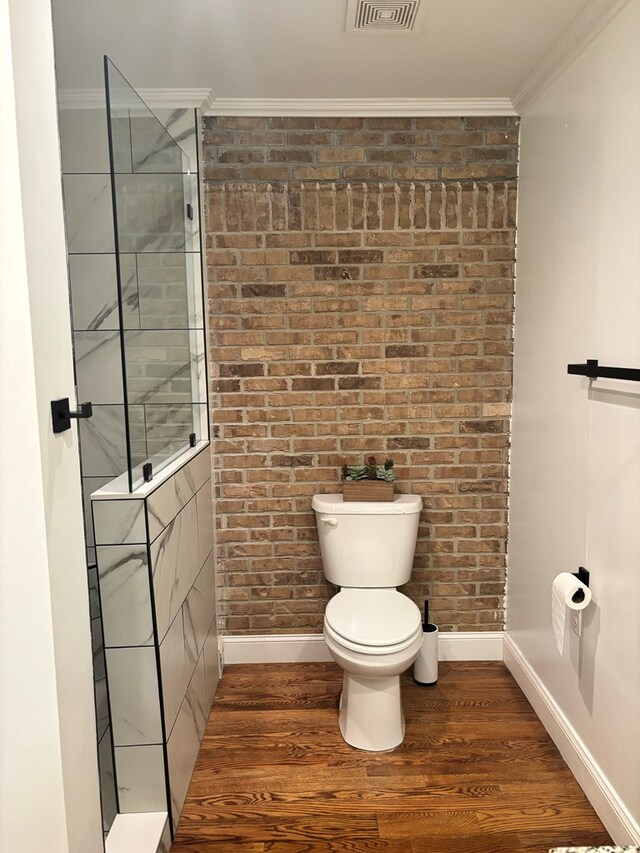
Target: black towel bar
597, 371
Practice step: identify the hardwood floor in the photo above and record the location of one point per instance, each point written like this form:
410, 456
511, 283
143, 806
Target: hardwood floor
477, 773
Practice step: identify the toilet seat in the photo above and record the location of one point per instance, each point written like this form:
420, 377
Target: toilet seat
372, 621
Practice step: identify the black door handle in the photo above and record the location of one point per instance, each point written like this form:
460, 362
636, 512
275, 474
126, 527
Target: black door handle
61, 413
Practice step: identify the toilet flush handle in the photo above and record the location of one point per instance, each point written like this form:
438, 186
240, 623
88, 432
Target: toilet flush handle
332, 522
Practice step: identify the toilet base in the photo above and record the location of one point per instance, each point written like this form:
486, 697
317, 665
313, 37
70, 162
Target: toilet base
371, 715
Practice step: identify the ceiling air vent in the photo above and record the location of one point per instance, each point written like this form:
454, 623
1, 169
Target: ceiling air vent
382, 16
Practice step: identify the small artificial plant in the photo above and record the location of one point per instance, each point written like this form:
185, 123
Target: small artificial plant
369, 471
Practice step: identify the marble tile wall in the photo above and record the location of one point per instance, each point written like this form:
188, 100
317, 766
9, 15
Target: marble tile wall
160, 270
161, 290
157, 588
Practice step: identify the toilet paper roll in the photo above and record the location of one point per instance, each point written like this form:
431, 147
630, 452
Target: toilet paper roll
567, 593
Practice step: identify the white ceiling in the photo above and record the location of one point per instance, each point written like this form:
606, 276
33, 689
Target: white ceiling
299, 48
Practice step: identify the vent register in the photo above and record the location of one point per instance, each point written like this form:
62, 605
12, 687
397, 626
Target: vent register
382, 16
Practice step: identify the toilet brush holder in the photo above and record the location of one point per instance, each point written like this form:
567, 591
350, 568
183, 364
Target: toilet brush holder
425, 668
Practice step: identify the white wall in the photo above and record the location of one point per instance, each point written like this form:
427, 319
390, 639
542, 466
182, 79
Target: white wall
575, 477
48, 765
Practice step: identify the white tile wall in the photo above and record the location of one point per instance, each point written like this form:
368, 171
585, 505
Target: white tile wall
199, 609
89, 213
125, 595
84, 140
167, 500
134, 695
98, 367
205, 522
174, 563
119, 522
182, 751
175, 670
94, 292
140, 775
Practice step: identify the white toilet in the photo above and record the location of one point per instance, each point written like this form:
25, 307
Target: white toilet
373, 631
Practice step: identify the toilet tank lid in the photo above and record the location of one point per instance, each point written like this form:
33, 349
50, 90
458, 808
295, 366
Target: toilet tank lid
334, 505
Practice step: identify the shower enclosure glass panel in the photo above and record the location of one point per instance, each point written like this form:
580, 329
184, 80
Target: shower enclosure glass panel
160, 312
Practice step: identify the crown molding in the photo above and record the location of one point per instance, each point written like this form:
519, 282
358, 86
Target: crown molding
361, 107
576, 38
90, 99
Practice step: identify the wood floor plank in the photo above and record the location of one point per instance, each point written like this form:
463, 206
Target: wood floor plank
541, 841
279, 779
477, 772
577, 816
505, 843
406, 824
433, 798
252, 825
351, 845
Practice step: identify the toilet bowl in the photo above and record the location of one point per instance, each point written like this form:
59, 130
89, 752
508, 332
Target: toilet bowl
373, 632
373, 650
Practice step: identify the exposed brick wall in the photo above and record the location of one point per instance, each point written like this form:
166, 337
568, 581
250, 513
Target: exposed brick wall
360, 149
350, 319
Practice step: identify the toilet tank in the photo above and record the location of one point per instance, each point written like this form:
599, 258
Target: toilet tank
367, 544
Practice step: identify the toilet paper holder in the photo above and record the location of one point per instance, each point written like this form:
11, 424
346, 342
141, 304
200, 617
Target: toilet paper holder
582, 574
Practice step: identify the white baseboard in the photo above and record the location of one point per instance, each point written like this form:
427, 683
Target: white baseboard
308, 648
274, 648
604, 799
470, 645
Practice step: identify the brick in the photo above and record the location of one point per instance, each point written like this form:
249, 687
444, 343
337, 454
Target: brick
293, 123
482, 426
337, 273
343, 123
313, 384
315, 173
334, 367
414, 173
269, 290
493, 152
395, 339
360, 138
246, 155
240, 123
312, 257
389, 123
460, 138
366, 173
253, 138
437, 271
440, 155
341, 155
290, 155
217, 137
491, 122
439, 123
475, 171
308, 139
265, 173
389, 155
221, 173
502, 137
